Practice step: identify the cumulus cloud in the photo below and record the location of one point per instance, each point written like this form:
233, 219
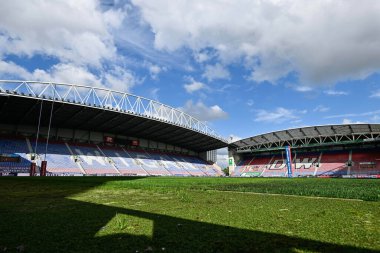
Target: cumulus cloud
203, 112
77, 35
274, 38
193, 85
10, 70
216, 71
115, 78
72, 31
279, 115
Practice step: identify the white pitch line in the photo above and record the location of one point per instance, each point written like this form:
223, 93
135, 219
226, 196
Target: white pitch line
288, 195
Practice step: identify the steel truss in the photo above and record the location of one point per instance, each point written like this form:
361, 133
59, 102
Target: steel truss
105, 99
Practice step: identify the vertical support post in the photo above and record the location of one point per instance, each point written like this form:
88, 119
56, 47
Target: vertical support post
289, 160
43, 168
32, 171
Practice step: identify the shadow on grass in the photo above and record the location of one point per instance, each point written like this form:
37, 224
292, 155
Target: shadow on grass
36, 214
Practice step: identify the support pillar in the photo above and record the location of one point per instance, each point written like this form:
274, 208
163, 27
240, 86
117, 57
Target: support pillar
32, 171
43, 168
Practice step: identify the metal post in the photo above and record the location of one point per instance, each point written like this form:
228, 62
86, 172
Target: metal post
32, 171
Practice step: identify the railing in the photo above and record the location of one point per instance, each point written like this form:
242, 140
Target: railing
106, 99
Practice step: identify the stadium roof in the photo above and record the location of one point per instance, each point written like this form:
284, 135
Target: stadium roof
103, 110
310, 136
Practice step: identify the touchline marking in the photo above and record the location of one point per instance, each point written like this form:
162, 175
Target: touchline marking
287, 195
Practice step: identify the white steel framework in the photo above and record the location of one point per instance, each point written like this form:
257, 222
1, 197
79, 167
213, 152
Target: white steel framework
106, 99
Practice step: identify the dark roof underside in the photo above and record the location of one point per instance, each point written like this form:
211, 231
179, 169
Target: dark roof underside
25, 111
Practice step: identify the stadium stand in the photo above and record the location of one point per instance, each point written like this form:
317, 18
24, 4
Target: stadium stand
92, 160
18, 150
326, 163
126, 165
346, 150
168, 164
305, 164
275, 168
256, 166
59, 158
150, 165
184, 163
365, 162
98, 131
333, 163
87, 159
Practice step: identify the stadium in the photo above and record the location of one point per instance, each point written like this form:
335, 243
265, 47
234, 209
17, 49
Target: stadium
350, 150
65, 129
105, 171
82, 130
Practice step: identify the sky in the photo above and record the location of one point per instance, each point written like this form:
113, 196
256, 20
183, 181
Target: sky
245, 66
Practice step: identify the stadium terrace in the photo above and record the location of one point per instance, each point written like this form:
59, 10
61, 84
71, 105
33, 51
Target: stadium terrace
350, 150
68, 129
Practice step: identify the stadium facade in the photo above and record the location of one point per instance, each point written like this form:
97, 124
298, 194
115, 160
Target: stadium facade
81, 130
348, 150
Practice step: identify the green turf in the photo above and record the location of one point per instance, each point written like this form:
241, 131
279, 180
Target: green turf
94, 214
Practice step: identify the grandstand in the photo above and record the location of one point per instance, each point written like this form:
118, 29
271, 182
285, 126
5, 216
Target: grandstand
349, 150
82, 130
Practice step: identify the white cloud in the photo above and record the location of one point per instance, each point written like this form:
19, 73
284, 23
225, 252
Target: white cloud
115, 78
348, 121
321, 108
120, 79
274, 37
154, 69
216, 71
203, 56
78, 35
72, 31
203, 112
352, 115
302, 88
193, 86
10, 70
335, 93
279, 115
67, 73
375, 94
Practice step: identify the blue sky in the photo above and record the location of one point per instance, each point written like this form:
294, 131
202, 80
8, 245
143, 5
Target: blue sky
246, 67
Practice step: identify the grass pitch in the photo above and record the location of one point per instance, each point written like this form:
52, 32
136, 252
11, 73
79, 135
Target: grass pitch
95, 214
